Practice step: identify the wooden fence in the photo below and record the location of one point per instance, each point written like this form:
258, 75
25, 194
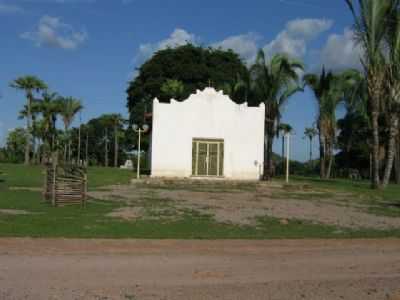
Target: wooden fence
65, 185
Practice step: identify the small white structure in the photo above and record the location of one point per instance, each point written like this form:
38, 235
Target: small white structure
207, 135
128, 165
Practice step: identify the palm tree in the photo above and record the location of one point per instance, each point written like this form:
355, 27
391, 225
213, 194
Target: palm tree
310, 133
49, 106
329, 90
238, 89
372, 22
273, 83
28, 84
391, 106
34, 132
116, 121
69, 107
321, 85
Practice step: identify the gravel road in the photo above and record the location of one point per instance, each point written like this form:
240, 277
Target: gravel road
224, 269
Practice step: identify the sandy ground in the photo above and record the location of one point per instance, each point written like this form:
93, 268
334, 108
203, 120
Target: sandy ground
168, 269
243, 207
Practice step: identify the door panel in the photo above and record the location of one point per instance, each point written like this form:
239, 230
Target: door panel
213, 160
202, 160
207, 157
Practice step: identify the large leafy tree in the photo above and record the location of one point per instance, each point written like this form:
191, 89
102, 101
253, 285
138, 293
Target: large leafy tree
30, 85
274, 81
15, 145
181, 71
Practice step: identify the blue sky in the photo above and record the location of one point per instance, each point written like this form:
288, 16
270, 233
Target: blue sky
89, 48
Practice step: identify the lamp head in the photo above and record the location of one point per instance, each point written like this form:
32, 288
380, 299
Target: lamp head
135, 127
146, 127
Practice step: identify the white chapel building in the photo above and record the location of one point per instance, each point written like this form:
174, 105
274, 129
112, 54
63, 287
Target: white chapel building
207, 135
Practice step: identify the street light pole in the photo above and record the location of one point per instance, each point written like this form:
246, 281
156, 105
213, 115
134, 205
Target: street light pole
138, 156
139, 130
287, 156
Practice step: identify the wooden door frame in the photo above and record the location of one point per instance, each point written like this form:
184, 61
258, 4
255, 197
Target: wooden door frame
218, 142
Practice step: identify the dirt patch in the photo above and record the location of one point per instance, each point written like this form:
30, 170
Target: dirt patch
15, 212
126, 213
244, 207
25, 188
199, 270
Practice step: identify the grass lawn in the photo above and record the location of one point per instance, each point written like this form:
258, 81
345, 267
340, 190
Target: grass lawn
43, 220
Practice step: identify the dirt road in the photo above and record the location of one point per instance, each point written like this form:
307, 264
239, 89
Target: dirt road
147, 269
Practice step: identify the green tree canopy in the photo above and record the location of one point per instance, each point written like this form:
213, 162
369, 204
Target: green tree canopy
194, 67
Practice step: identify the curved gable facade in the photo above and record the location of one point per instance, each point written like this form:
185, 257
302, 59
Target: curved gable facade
207, 135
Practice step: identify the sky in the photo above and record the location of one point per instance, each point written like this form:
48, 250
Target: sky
90, 49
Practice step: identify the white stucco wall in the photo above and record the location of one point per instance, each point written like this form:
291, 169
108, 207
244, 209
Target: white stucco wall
211, 115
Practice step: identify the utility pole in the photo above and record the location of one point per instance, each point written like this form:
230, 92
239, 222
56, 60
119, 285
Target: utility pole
287, 156
139, 130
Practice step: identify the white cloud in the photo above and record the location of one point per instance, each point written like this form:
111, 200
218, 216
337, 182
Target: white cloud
54, 33
244, 44
10, 9
178, 37
294, 38
308, 29
341, 52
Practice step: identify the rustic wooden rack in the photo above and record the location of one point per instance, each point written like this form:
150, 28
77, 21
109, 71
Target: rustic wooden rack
65, 185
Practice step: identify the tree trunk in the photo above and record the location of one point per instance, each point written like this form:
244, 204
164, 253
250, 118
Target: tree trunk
321, 156
270, 163
265, 166
375, 151
79, 144
394, 123
397, 159
116, 148
69, 151
28, 129
87, 149
106, 149
283, 154
330, 162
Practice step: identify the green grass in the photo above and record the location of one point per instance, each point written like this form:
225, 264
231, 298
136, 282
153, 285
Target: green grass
17, 175
92, 222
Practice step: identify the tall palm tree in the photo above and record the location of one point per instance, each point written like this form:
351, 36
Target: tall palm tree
30, 85
329, 90
49, 106
372, 21
321, 86
273, 83
310, 133
238, 89
391, 106
69, 107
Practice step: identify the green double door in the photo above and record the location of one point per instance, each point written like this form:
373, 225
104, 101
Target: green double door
208, 157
